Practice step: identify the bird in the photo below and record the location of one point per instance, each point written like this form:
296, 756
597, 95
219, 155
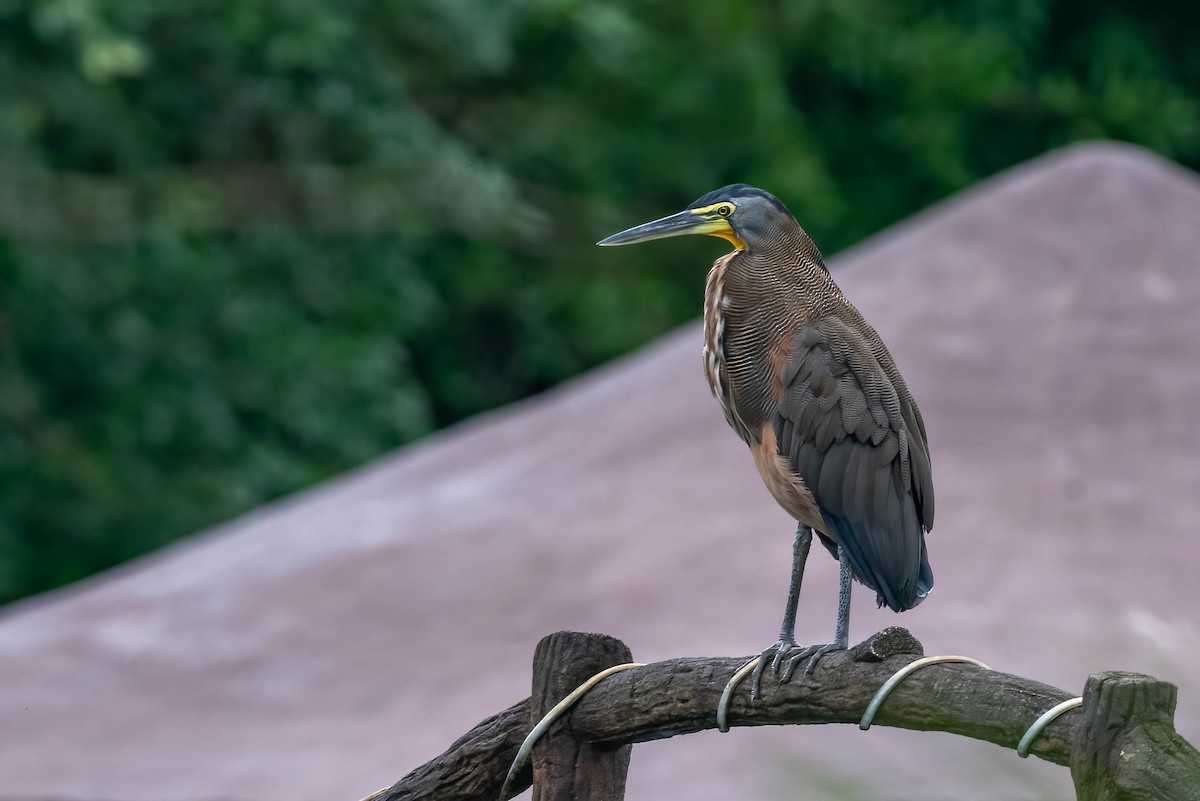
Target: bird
810, 387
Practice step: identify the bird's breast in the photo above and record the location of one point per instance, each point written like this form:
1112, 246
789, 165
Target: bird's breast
741, 355
716, 304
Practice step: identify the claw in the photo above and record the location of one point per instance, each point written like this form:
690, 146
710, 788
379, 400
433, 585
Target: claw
813, 654
760, 663
755, 668
775, 655
781, 649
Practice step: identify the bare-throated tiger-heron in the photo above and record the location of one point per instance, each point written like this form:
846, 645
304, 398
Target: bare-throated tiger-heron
810, 387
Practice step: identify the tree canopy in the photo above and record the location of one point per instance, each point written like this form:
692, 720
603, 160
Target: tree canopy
244, 246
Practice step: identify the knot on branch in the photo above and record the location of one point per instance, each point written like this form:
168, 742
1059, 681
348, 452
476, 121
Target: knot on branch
892, 641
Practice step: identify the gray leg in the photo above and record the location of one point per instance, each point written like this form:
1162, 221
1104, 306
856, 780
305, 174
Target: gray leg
841, 635
800, 545
787, 630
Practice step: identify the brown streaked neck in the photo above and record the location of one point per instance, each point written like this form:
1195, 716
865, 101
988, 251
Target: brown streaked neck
758, 299
781, 266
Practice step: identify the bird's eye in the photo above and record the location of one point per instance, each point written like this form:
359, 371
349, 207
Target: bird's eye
724, 210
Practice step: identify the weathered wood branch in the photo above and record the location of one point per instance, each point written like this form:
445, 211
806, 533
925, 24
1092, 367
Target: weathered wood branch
1127, 748
679, 696
566, 766
474, 765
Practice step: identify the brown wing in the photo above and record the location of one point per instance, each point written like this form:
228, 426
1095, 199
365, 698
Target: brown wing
854, 435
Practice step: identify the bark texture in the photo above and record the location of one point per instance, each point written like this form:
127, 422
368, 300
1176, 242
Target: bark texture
1127, 748
1121, 745
567, 766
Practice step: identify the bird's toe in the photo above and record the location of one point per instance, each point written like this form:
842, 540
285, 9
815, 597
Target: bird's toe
774, 654
813, 654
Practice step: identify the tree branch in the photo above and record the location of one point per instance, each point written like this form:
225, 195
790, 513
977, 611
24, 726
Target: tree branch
473, 767
679, 696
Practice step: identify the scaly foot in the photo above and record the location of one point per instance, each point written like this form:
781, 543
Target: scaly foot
813, 654
776, 654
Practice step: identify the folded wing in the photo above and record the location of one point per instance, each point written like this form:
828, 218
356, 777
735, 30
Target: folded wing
850, 430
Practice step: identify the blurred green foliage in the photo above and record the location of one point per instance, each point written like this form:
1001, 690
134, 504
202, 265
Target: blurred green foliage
244, 246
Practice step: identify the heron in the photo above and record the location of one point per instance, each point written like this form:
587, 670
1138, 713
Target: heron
809, 386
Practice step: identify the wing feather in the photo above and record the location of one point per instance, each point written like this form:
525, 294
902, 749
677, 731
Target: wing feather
854, 435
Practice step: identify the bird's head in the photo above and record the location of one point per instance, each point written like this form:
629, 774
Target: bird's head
744, 215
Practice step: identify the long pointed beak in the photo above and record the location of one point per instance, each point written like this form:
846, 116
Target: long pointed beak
681, 224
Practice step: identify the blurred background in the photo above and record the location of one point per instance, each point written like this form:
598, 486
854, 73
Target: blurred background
245, 246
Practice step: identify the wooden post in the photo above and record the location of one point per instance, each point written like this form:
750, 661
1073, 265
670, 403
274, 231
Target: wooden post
566, 768
1127, 748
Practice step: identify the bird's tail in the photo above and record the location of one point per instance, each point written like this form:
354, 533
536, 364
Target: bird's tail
900, 599
885, 568
924, 575
901, 603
